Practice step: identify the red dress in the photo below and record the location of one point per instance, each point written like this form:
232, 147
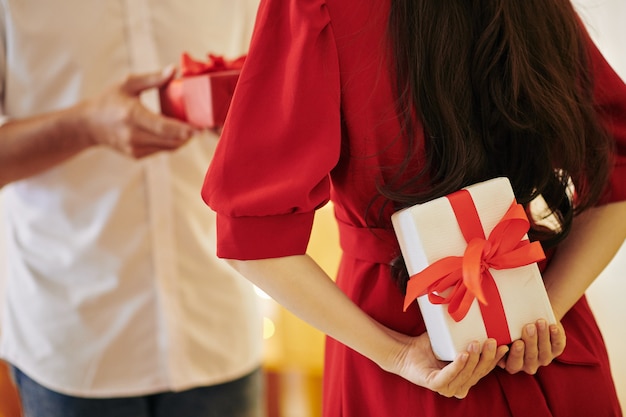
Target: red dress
313, 119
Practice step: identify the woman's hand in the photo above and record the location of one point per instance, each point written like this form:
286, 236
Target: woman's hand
539, 345
418, 364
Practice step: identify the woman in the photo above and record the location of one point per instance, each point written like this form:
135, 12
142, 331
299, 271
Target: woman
382, 104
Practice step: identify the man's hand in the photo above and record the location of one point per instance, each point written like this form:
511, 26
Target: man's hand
118, 119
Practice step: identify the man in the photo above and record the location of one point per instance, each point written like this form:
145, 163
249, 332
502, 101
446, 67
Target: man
115, 303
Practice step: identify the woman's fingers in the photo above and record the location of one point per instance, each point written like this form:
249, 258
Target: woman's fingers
524, 354
444, 383
515, 360
461, 375
460, 385
490, 355
544, 343
557, 339
531, 349
539, 345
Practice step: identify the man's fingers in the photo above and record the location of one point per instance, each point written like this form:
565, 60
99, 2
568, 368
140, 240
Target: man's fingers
144, 151
167, 128
136, 83
138, 144
142, 139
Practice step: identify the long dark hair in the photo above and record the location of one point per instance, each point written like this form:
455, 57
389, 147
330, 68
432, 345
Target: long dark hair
502, 88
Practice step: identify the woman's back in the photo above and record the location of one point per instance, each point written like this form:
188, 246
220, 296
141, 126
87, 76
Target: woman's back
325, 111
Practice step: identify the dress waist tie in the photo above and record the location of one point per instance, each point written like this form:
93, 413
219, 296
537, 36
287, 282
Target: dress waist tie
375, 245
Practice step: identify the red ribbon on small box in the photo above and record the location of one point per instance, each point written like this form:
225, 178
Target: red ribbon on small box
190, 66
468, 276
202, 95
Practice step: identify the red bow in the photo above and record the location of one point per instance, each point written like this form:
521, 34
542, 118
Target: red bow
468, 276
190, 66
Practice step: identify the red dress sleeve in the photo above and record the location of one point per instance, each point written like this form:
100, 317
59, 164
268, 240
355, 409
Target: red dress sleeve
282, 136
610, 96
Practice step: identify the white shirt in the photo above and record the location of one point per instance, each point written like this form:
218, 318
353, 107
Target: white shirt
112, 286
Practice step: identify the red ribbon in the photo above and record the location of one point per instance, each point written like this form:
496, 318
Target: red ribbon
468, 276
190, 66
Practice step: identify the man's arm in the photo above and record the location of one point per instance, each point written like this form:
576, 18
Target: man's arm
116, 119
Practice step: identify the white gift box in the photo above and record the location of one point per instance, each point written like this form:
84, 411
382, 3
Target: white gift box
430, 232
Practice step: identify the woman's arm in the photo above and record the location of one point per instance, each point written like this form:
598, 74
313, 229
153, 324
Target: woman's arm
301, 286
595, 238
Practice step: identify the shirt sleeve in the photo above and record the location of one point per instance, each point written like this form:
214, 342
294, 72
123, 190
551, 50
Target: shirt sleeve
282, 136
610, 96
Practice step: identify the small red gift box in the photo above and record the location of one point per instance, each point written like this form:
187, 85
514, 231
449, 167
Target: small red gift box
202, 95
473, 271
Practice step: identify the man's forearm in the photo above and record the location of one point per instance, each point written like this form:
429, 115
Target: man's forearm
32, 145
